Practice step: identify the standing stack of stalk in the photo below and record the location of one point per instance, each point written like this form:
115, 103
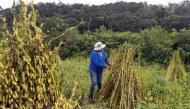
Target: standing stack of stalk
2, 63
2, 56
122, 86
112, 56
176, 69
3, 52
29, 80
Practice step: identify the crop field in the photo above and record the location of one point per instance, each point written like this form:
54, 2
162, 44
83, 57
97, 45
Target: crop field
159, 92
34, 76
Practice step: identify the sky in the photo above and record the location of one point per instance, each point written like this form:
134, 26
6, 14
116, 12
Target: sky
8, 3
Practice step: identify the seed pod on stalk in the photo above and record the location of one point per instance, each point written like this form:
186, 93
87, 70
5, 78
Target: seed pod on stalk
29, 79
176, 69
122, 86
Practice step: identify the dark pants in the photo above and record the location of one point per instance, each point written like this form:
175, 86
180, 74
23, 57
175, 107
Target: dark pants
96, 78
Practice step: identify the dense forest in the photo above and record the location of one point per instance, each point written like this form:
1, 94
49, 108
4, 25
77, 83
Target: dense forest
157, 30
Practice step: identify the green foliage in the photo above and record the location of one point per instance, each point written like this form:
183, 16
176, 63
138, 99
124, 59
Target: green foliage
75, 71
22, 43
181, 40
159, 93
114, 24
156, 44
119, 16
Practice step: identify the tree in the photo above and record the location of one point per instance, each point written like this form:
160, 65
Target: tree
156, 45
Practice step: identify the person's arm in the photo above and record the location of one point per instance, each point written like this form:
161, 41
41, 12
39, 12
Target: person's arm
94, 58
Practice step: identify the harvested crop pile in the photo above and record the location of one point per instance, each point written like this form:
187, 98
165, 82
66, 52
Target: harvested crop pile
176, 69
122, 86
30, 78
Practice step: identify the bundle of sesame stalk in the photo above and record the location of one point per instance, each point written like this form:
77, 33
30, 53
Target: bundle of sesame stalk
29, 74
176, 69
122, 86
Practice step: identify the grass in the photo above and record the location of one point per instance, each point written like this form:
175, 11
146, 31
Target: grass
76, 73
159, 92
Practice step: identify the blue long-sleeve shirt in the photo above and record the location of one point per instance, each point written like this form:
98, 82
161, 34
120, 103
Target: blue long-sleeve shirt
97, 62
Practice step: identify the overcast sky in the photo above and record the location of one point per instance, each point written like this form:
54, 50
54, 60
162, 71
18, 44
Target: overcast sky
8, 3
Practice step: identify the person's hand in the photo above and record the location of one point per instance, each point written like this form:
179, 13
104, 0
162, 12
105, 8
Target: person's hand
109, 64
108, 67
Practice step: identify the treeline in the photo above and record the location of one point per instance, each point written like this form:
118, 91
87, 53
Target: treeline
119, 16
153, 45
114, 24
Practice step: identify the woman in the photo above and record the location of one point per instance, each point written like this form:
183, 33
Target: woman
96, 66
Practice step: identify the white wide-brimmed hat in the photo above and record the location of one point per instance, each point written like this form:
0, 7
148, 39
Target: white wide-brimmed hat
99, 46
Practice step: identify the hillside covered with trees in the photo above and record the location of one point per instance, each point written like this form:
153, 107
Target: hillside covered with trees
157, 29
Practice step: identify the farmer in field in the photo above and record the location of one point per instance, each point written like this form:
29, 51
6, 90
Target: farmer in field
97, 64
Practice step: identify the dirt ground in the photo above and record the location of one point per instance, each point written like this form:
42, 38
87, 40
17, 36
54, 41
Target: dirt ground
93, 106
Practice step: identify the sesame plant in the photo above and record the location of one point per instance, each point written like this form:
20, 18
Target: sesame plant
122, 86
176, 69
30, 78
